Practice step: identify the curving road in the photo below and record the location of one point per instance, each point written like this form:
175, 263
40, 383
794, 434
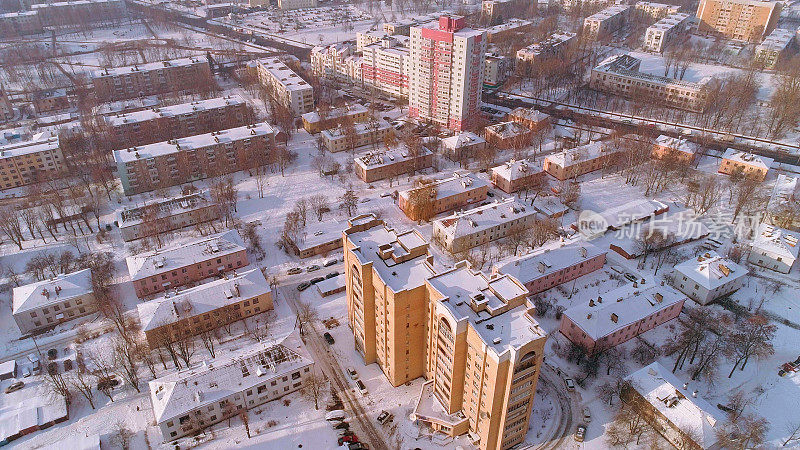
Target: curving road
563, 430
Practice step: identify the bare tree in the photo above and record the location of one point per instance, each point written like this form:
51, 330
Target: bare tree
628, 426
306, 314
349, 201
313, 385
793, 429
751, 338
83, 382
319, 205
421, 200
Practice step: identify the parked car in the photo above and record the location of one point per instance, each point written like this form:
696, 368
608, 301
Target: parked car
26, 372
303, 286
587, 415
341, 426
569, 384
332, 274
107, 383
357, 446
350, 438
385, 416
316, 280
580, 433
330, 262
328, 338
312, 268
52, 368
294, 271
335, 415
490, 194
52, 354
15, 386
67, 365
361, 387
33, 358
352, 372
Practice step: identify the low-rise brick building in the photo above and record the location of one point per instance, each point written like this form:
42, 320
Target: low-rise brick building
161, 215
391, 163
671, 147
601, 323
120, 83
177, 161
506, 135
47, 303
184, 264
446, 194
517, 175
366, 133
580, 160
753, 167
313, 122
30, 162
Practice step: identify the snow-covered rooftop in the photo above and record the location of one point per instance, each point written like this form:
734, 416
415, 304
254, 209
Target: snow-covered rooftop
496, 307
193, 142
550, 206
55, 290
516, 169
396, 155
550, 259
148, 67
465, 32
174, 110
484, 217
671, 21
180, 392
580, 154
29, 409
511, 24
29, 147
750, 159
132, 215
636, 210
664, 392
552, 42
508, 129
454, 185
711, 270
360, 129
349, 110
779, 39
400, 259
201, 299
331, 284
607, 13
149, 264
621, 307
778, 241
461, 139
529, 114
283, 74
677, 144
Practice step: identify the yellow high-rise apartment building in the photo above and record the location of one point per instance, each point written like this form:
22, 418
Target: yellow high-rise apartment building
473, 337
744, 20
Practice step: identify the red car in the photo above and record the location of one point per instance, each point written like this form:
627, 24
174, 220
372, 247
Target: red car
344, 439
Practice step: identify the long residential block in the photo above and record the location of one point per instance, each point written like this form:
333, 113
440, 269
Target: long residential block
549, 267
186, 119
620, 315
391, 163
445, 195
120, 83
184, 264
79, 12
30, 162
285, 85
580, 160
177, 161
473, 227
366, 133
163, 215
205, 307
192, 399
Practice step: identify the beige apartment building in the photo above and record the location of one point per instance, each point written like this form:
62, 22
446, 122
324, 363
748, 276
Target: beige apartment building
473, 337
177, 161
529, 117
516, 175
47, 303
286, 87
667, 32
120, 83
654, 11
620, 75
206, 307
672, 147
186, 119
366, 133
446, 194
753, 167
468, 229
743, 20
391, 163
604, 24
314, 122
557, 45
296, 4
579, 161
30, 162
777, 47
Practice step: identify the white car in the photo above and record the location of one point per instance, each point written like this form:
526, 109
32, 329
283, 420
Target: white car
353, 374
336, 415
587, 415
